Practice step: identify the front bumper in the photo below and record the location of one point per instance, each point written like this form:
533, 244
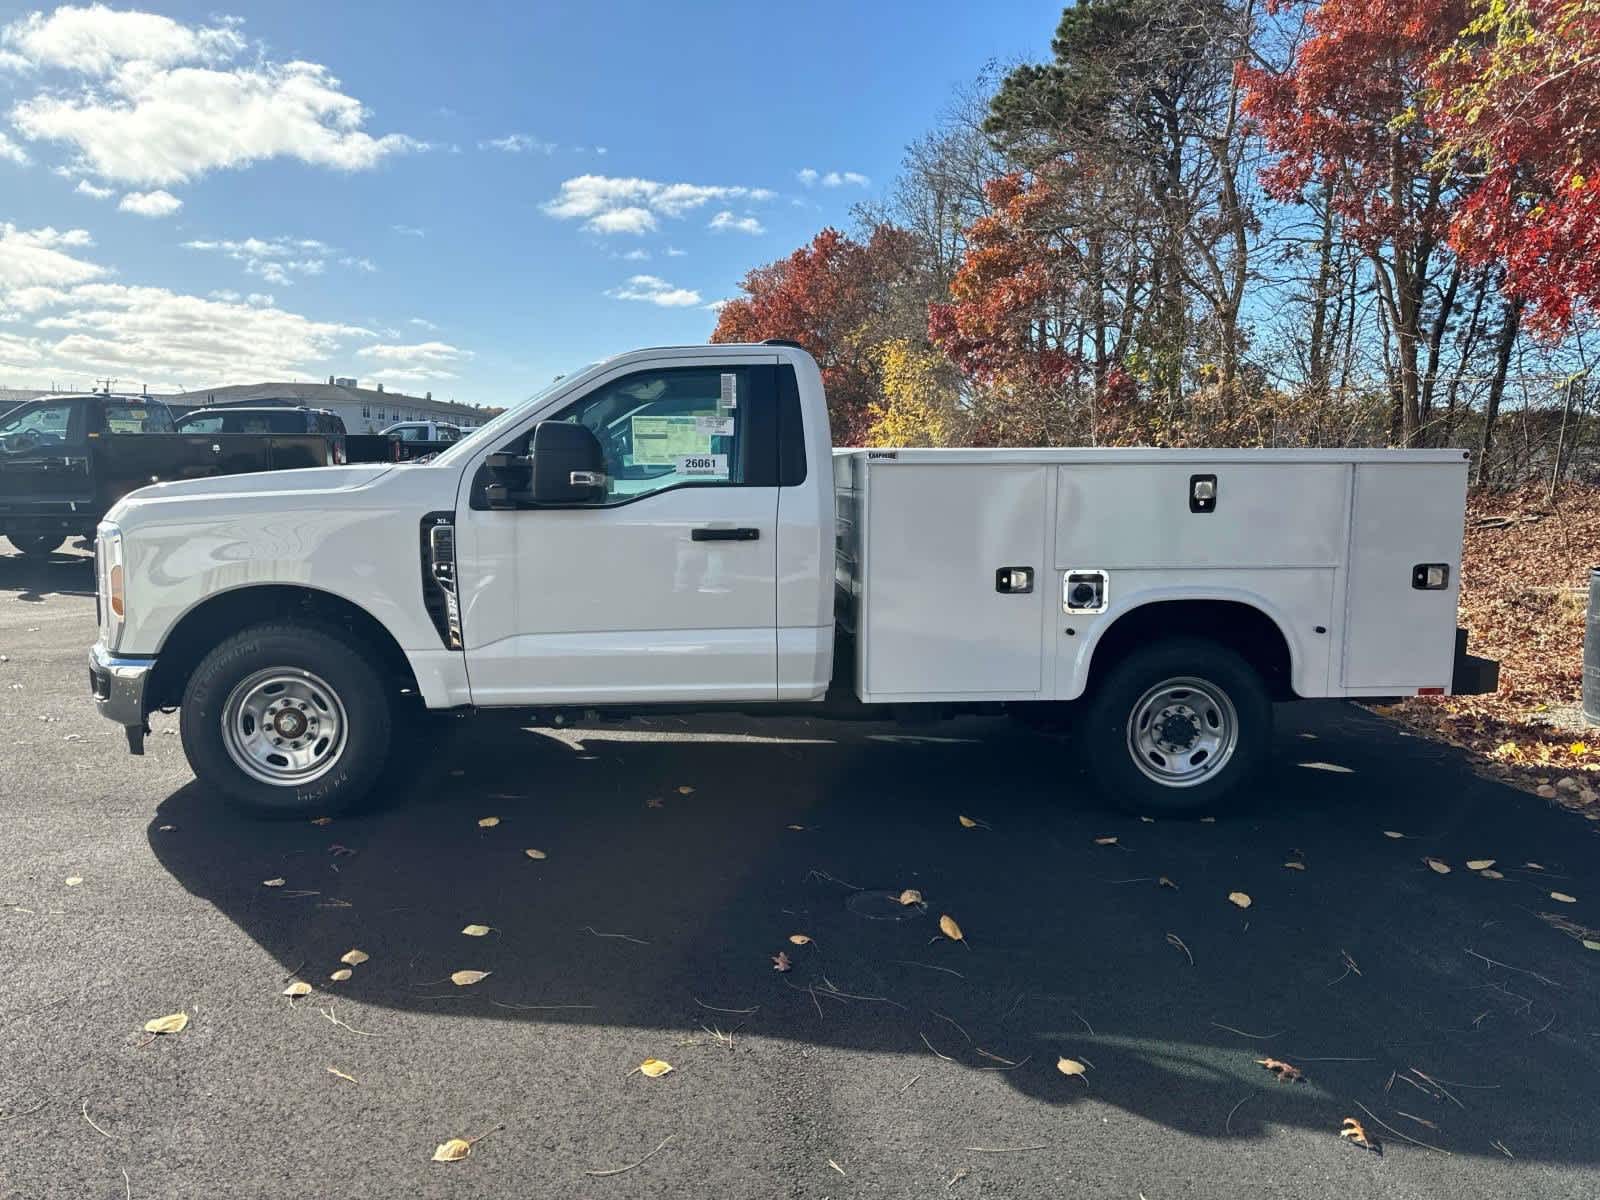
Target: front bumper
118, 686
1472, 675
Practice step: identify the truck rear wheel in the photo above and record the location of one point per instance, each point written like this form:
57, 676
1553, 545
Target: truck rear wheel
286, 720
1177, 726
36, 545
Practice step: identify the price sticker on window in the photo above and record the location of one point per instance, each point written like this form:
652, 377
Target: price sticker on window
703, 465
729, 397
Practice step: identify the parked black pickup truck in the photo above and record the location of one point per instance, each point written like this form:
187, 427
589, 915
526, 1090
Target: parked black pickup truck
65, 460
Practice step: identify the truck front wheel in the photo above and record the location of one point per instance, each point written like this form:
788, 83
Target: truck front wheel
1176, 726
286, 720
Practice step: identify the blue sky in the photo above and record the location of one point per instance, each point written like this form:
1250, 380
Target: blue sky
462, 198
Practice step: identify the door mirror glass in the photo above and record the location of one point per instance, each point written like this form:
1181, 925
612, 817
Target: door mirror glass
568, 464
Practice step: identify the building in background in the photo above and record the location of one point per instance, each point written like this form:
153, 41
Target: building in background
363, 410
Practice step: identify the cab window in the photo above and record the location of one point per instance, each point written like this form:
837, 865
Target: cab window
137, 418
42, 426
668, 428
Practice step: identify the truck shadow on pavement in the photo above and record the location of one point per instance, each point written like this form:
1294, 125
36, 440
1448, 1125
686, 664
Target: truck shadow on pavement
32, 580
677, 867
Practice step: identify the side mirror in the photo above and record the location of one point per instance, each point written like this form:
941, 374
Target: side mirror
568, 465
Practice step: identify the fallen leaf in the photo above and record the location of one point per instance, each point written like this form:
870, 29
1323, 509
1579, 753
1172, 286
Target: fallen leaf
468, 978
1545, 792
685, 790
948, 926
910, 896
1295, 866
298, 988
1488, 874
175, 1023
342, 1075
1440, 868
341, 974
1070, 1066
1105, 841
973, 823
1208, 820
1239, 898
1563, 897
1591, 944
272, 883
166, 828
74, 880
322, 820
796, 828
654, 1068
475, 930
488, 822
536, 854
1148, 820
1286, 1072
1390, 833
353, 958
1357, 1133
1165, 882
1479, 864
780, 961
452, 1151
1533, 866
800, 939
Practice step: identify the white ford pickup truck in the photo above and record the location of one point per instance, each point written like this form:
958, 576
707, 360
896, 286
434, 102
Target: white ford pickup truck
672, 529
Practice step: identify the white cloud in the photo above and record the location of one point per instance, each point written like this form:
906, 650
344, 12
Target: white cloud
745, 224
674, 252
226, 295
420, 323
278, 259
417, 352
85, 188
95, 40
156, 102
517, 143
409, 231
612, 204
810, 177
38, 258
150, 204
636, 256
717, 306
11, 152
166, 339
654, 290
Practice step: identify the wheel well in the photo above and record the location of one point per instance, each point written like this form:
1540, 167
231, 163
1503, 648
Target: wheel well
203, 627
1246, 630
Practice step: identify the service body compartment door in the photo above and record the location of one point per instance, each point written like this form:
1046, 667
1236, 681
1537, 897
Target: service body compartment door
1405, 515
934, 620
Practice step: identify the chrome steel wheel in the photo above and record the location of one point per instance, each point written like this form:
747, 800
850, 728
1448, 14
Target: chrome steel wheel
284, 726
1182, 731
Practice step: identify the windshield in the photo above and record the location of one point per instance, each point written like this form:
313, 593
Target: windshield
39, 427
487, 433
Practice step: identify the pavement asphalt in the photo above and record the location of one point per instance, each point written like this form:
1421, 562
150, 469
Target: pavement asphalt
1457, 1016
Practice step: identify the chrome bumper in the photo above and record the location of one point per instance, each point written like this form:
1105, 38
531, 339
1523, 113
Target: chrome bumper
118, 686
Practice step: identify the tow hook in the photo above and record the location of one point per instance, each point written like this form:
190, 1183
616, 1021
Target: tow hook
136, 735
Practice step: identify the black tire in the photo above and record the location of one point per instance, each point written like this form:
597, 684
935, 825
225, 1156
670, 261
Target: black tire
317, 662
36, 545
1111, 739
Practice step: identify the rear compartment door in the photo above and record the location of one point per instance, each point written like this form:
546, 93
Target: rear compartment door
1405, 515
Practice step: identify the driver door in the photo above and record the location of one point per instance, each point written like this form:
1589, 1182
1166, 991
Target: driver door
663, 591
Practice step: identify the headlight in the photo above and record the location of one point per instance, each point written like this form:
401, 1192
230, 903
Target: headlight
109, 572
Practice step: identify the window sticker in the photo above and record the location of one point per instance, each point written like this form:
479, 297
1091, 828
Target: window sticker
662, 441
703, 465
714, 426
729, 399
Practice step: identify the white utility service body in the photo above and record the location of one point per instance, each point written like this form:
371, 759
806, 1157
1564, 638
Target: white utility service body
672, 527
1323, 542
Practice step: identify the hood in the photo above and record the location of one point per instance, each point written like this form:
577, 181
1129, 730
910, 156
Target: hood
258, 483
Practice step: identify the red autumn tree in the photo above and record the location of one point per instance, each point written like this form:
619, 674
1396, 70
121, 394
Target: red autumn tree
828, 296
1518, 94
1346, 114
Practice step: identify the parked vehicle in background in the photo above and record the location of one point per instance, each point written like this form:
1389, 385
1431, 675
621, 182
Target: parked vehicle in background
423, 431
671, 530
65, 460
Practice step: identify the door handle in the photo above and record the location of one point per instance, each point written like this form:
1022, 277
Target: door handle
725, 535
